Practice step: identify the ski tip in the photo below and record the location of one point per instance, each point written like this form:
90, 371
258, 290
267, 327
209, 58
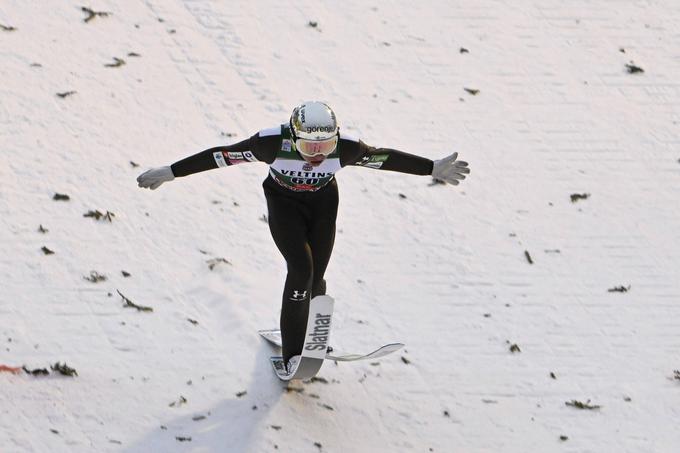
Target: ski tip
393, 346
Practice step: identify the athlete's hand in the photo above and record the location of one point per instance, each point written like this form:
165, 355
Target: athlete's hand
152, 179
450, 170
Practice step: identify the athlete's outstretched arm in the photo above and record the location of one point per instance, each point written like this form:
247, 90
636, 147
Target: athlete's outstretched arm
219, 156
256, 148
358, 153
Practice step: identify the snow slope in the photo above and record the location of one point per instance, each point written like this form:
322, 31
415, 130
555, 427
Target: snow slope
442, 269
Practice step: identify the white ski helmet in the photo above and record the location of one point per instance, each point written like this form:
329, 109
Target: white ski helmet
314, 128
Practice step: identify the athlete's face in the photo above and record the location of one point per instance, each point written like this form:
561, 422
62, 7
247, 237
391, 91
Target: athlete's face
316, 151
314, 160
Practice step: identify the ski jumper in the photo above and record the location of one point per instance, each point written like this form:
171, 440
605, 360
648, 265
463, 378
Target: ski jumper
302, 201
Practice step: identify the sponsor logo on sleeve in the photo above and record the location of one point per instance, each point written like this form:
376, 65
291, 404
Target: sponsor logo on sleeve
219, 159
236, 157
373, 161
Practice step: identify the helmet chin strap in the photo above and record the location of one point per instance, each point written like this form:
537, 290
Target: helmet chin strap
294, 137
292, 129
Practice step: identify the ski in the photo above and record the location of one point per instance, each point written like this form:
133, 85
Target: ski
274, 337
306, 365
348, 357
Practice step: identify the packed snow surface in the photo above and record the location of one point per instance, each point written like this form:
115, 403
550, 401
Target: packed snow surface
550, 276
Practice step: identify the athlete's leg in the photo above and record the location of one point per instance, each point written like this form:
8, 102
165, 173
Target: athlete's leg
288, 225
322, 234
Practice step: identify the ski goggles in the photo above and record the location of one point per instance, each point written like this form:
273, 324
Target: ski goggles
311, 148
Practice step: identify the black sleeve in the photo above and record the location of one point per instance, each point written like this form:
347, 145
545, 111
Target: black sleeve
254, 149
358, 153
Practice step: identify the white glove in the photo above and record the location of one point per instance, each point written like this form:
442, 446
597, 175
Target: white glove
449, 170
152, 179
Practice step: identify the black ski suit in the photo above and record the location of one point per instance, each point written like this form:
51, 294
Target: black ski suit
302, 201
